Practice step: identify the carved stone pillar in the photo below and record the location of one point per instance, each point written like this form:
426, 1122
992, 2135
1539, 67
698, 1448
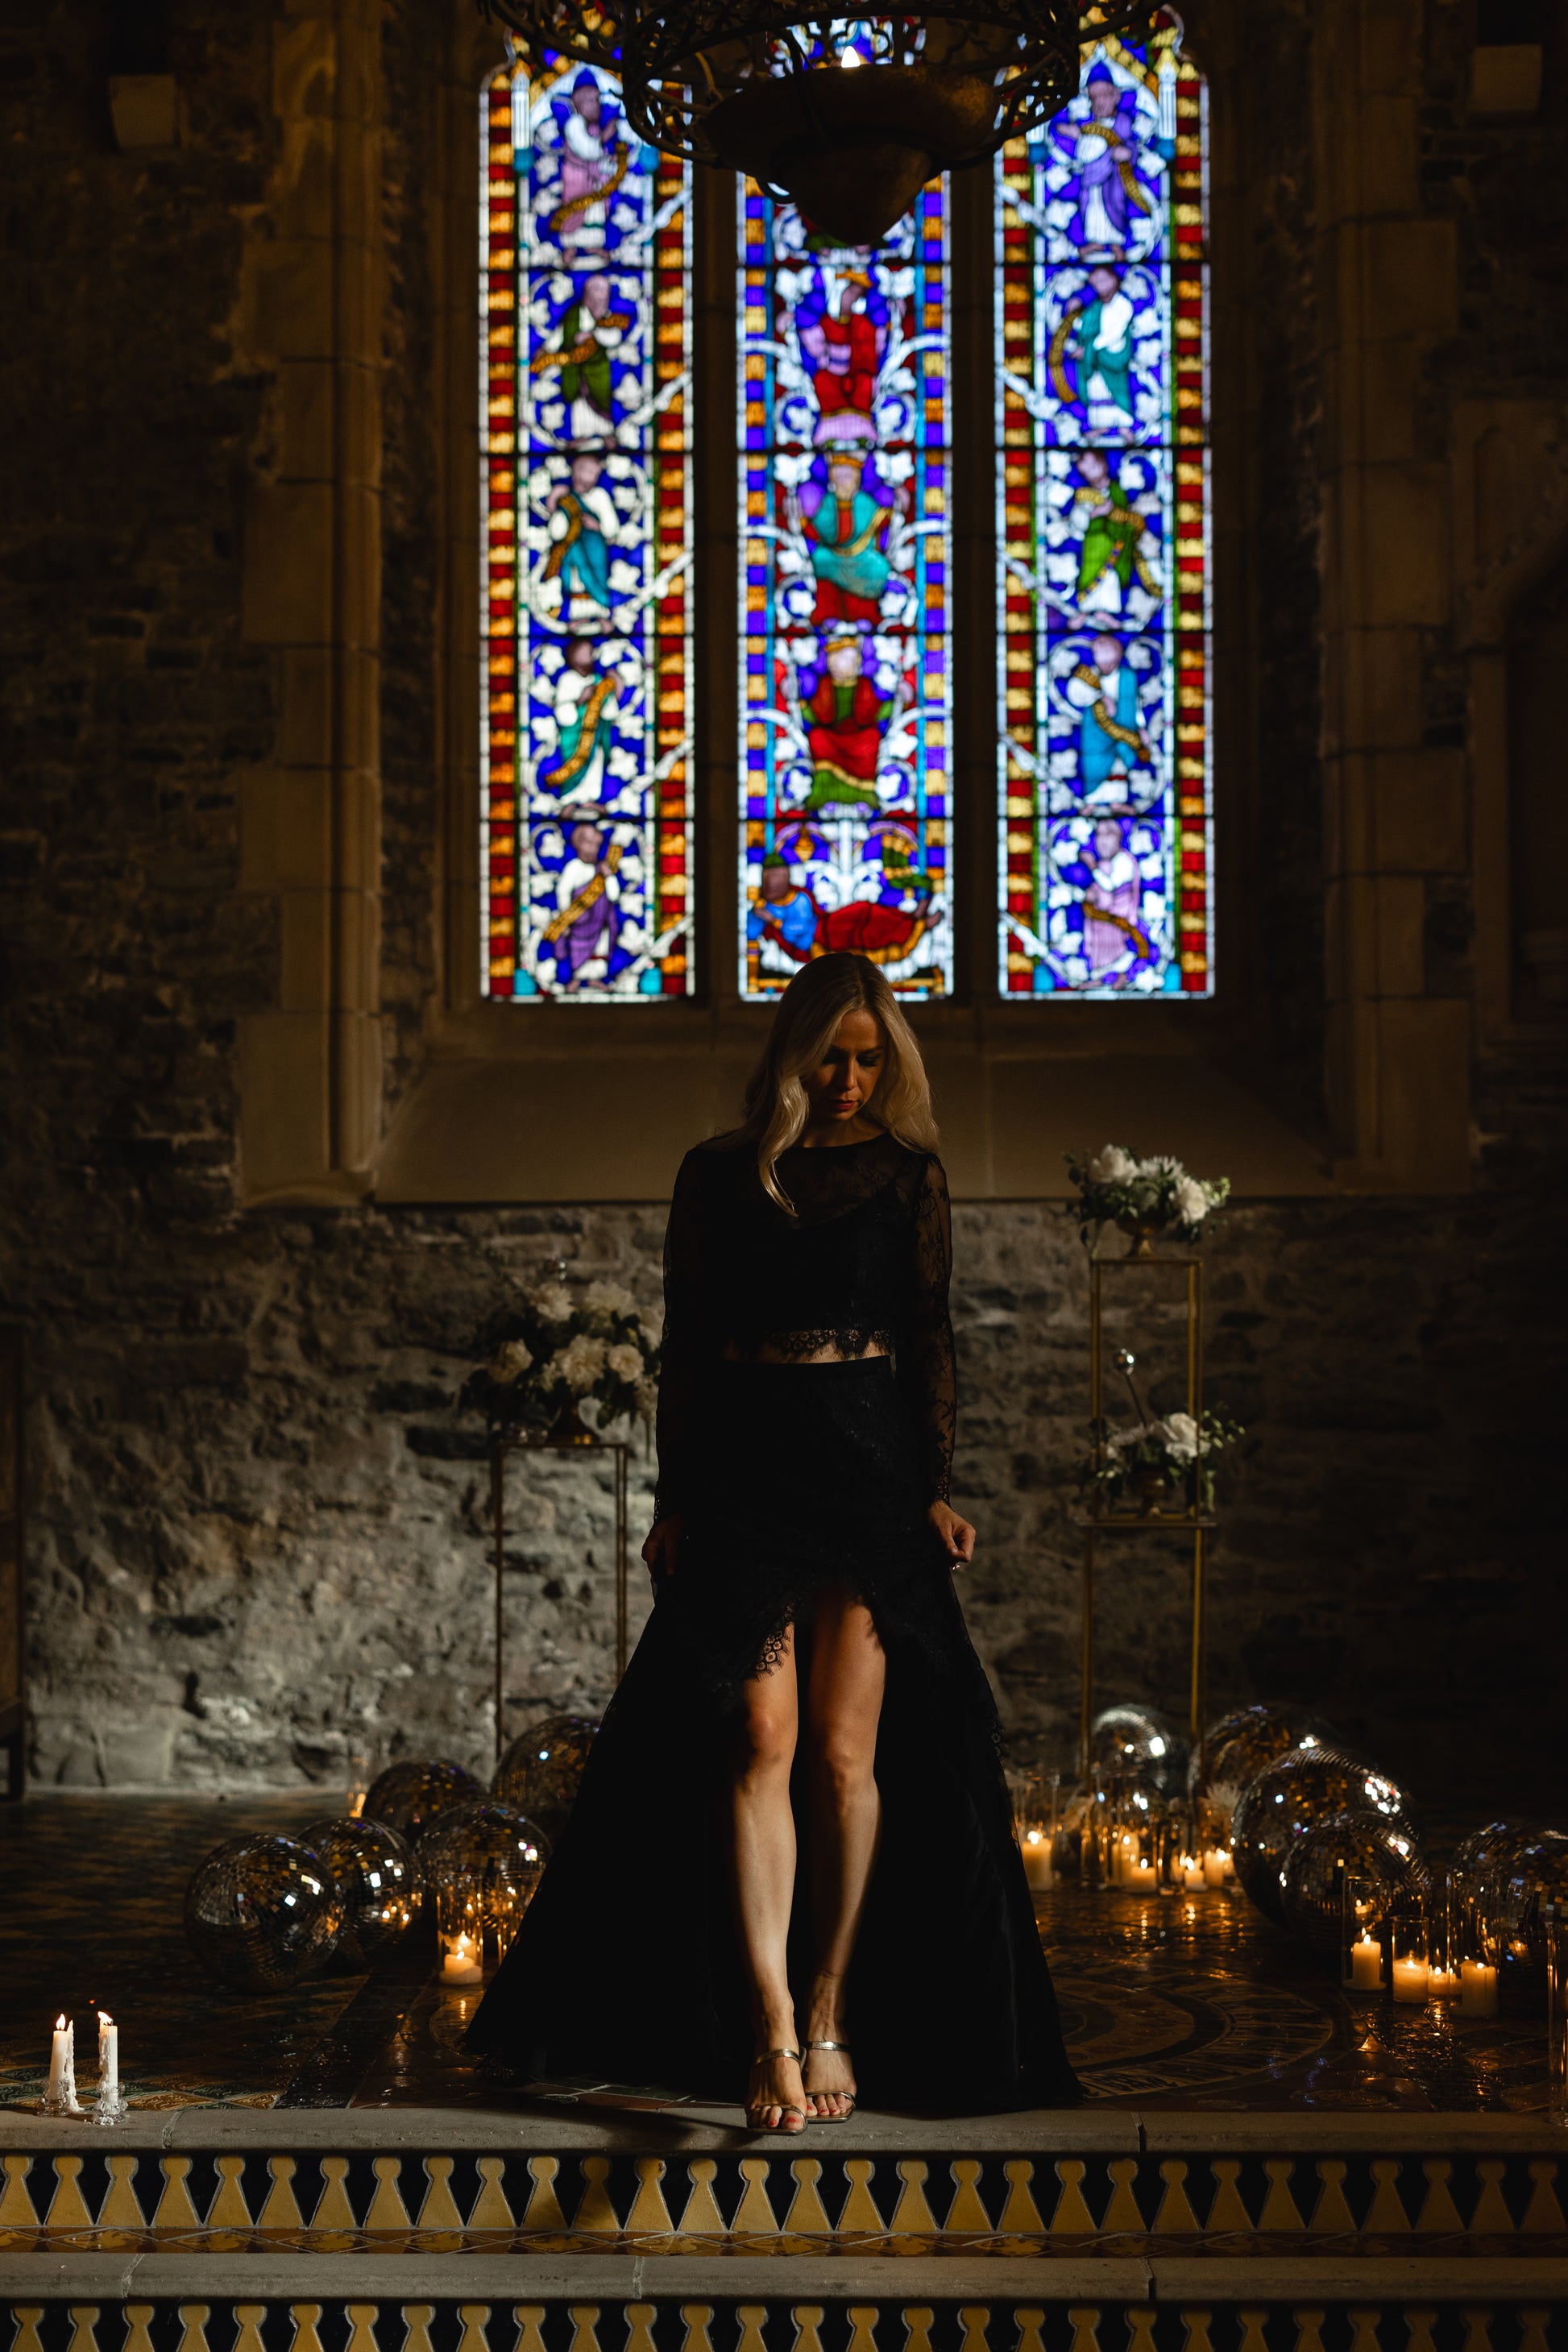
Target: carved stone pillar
311, 820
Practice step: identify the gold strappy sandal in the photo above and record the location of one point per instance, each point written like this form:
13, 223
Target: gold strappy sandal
850, 2095
759, 2058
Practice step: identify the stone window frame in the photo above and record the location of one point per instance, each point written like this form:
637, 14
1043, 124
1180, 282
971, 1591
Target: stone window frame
547, 1102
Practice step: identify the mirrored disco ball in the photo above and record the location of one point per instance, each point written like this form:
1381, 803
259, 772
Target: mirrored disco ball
540, 1771
481, 1865
1243, 1743
410, 1798
1141, 1742
1290, 1799
262, 1912
1472, 1866
377, 1879
1369, 1847
1526, 1870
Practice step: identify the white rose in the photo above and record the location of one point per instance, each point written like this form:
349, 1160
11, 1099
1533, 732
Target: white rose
552, 1303
1192, 1203
1112, 1166
624, 1361
579, 1364
1181, 1435
509, 1364
608, 1299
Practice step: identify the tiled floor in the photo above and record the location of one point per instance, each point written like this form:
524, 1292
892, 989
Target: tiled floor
1181, 2002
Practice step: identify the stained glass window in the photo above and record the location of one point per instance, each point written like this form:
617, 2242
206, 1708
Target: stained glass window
1103, 536
585, 360
845, 721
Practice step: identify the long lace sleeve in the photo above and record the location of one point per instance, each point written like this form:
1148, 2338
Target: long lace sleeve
681, 1348
926, 1371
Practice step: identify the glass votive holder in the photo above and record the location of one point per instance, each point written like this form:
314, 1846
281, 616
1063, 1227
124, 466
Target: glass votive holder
1410, 1967
1362, 1935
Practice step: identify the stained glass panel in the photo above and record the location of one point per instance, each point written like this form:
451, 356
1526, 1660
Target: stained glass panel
585, 376
1103, 498
845, 717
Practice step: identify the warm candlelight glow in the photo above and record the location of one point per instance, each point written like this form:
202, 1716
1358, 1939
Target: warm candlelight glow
1366, 1965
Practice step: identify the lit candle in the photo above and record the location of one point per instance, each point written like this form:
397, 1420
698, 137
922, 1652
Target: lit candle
460, 1960
1366, 1965
108, 2053
1142, 1873
1215, 1861
1478, 1989
59, 2097
1192, 1872
1037, 1847
1442, 1985
1410, 1978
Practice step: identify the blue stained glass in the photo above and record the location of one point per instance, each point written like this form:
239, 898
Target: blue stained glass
1101, 291
843, 536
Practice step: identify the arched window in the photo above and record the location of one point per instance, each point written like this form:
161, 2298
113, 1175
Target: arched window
586, 372
845, 717
1103, 507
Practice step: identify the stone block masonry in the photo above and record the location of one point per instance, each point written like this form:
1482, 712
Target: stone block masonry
260, 1530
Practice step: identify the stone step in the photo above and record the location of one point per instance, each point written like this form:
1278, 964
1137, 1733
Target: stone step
173, 2302
431, 2183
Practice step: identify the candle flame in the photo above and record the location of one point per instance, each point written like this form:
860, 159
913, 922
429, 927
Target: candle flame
104, 2018
60, 2023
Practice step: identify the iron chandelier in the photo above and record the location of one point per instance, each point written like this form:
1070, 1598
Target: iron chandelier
848, 115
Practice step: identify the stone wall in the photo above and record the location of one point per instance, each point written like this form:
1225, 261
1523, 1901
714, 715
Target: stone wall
257, 1526
260, 1530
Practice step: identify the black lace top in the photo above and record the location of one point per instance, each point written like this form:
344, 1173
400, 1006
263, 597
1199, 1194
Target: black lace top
862, 1267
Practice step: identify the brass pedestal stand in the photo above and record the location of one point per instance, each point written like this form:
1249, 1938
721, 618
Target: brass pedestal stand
1194, 1524
581, 1445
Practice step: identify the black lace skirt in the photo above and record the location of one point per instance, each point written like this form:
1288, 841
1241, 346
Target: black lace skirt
626, 1968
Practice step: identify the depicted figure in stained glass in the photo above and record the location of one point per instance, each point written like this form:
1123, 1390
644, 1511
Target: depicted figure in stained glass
589, 330
784, 916
583, 932
1112, 208
584, 525
1110, 903
843, 344
594, 162
1112, 737
1096, 334
586, 710
845, 525
1114, 547
849, 717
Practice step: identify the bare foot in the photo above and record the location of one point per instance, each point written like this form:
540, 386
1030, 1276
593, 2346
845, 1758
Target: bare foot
775, 2098
829, 2079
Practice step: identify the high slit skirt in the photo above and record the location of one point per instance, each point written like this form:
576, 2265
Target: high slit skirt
626, 1968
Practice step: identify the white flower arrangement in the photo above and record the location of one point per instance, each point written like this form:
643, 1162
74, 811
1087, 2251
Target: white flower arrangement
548, 1357
1141, 1464
1142, 1197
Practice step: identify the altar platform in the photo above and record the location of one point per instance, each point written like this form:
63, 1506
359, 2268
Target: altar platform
1259, 2165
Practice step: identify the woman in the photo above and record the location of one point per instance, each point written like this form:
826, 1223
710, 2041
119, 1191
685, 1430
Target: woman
806, 1660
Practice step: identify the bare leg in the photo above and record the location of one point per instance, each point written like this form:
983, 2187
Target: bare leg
764, 1852
843, 1704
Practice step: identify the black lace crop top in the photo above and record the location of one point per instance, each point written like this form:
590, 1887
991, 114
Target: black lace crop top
862, 1266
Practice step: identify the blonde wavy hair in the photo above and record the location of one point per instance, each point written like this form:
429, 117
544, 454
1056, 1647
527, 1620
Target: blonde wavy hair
805, 1025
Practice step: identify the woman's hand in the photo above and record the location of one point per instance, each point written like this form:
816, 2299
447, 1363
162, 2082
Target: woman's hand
662, 1546
957, 1535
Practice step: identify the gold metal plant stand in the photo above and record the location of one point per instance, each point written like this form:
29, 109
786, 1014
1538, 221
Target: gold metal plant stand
1194, 1522
552, 1444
